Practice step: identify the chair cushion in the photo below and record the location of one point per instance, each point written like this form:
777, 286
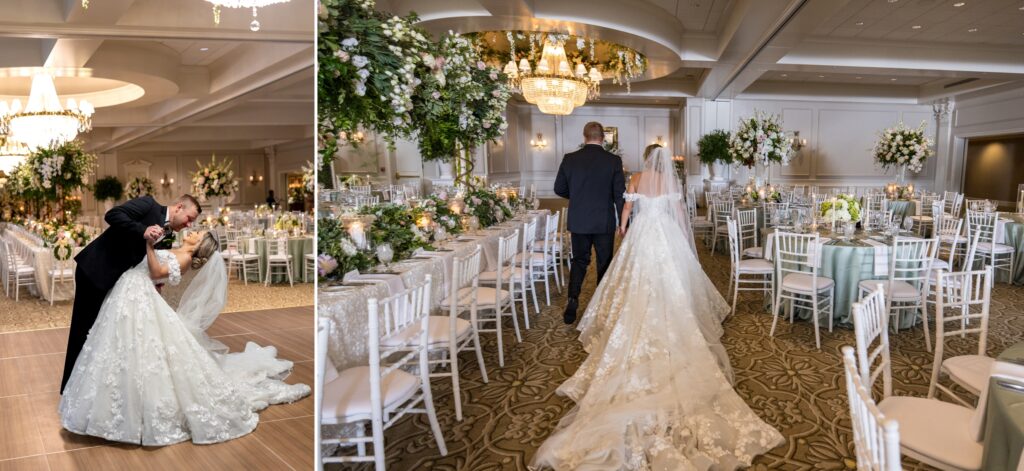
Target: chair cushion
900, 290
940, 264
437, 332
492, 276
536, 258
756, 265
60, 272
970, 371
279, 257
989, 247
485, 297
349, 394
24, 269
803, 283
948, 239
936, 429
755, 252
922, 218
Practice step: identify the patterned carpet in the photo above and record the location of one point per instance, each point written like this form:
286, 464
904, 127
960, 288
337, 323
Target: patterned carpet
790, 384
32, 313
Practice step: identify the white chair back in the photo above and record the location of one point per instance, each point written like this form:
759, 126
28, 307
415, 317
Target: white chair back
795, 253
871, 323
746, 222
774, 213
876, 439
962, 307
734, 244
983, 224
465, 274
911, 261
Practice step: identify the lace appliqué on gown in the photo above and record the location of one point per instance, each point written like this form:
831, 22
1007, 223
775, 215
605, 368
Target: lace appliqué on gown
143, 378
655, 391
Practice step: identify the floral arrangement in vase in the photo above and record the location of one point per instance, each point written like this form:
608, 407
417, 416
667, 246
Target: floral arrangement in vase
140, 186
287, 222
773, 197
760, 140
903, 147
214, 180
841, 208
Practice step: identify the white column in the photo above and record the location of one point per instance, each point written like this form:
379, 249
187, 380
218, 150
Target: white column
943, 144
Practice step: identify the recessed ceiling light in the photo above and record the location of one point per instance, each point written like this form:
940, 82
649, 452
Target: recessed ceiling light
892, 79
858, 78
893, 1
860, 23
204, 49
916, 27
1021, 8
972, 30
821, 76
785, 75
959, 4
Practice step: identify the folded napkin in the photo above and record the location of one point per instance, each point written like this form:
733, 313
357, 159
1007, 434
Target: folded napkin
394, 282
881, 256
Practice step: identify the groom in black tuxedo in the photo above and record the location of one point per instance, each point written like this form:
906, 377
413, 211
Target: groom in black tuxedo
593, 181
115, 251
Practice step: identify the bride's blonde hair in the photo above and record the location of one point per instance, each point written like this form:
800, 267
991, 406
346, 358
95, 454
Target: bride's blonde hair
649, 149
204, 250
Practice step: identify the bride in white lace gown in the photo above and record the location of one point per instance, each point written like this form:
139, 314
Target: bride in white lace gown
149, 375
655, 391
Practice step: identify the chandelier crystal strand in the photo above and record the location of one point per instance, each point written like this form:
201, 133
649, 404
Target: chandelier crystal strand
11, 154
250, 4
44, 122
553, 86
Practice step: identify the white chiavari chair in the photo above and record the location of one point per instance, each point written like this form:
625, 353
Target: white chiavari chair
819, 198
523, 260
20, 269
542, 259
751, 274
565, 244
366, 200
62, 271
498, 296
383, 392
991, 251
774, 213
796, 265
746, 224
701, 224
934, 432
910, 266
720, 210
927, 218
245, 264
948, 232
876, 439
309, 268
278, 257
450, 334
962, 309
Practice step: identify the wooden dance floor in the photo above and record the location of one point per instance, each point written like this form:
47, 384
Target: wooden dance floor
31, 437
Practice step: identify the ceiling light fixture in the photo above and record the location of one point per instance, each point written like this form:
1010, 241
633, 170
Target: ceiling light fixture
893, 1
785, 75
892, 79
972, 30
254, 4
821, 76
43, 122
858, 78
959, 4
860, 23
204, 49
916, 27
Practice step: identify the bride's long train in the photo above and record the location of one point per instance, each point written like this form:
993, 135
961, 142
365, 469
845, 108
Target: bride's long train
655, 391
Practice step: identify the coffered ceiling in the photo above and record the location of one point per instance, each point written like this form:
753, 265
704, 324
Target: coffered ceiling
911, 51
203, 85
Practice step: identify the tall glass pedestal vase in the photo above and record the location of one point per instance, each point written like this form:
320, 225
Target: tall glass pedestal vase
762, 175
901, 175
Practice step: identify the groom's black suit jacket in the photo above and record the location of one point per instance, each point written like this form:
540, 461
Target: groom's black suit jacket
123, 244
593, 181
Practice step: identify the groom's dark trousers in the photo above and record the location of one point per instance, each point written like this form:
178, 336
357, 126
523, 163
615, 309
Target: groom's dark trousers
593, 181
581, 245
102, 262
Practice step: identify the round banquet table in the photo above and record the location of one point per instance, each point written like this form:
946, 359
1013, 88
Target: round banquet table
848, 263
1004, 417
298, 247
902, 209
1010, 231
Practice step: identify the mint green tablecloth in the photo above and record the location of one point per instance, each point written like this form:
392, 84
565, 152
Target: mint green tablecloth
848, 263
1004, 419
1014, 237
902, 209
298, 247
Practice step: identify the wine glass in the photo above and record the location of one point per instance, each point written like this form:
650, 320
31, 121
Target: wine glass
440, 234
385, 253
474, 224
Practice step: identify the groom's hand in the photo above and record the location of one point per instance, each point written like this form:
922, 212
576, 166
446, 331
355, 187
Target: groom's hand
153, 233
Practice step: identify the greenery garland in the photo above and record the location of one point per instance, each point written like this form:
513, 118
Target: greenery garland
140, 186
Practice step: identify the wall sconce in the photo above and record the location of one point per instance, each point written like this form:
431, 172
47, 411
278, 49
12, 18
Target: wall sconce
355, 137
659, 142
165, 181
254, 179
538, 143
796, 142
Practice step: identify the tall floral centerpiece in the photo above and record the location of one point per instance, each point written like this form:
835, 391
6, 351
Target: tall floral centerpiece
904, 148
367, 64
713, 149
49, 177
759, 142
140, 186
460, 105
214, 181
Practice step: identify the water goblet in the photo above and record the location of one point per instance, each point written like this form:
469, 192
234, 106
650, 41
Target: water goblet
385, 253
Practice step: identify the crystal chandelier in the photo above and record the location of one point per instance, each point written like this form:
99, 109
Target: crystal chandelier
554, 86
11, 154
43, 122
254, 4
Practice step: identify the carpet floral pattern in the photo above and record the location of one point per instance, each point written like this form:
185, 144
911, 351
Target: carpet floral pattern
790, 384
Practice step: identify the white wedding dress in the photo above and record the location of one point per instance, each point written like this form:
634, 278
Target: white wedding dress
655, 391
149, 376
